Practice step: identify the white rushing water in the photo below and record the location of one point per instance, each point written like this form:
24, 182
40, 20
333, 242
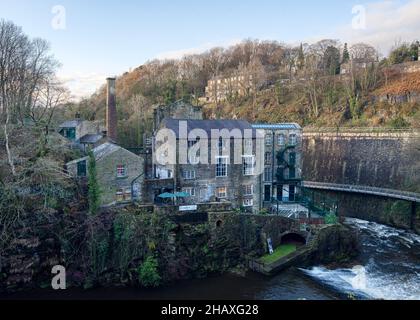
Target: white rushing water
390, 267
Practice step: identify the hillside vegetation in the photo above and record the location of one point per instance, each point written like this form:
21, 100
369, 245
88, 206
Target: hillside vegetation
300, 84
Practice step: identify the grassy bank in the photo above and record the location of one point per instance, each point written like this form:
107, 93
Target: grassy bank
280, 252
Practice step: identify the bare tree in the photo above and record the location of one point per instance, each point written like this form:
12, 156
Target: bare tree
363, 53
26, 70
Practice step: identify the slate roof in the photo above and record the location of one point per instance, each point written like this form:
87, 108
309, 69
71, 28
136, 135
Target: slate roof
70, 124
100, 152
207, 125
277, 126
104, 150
90, 138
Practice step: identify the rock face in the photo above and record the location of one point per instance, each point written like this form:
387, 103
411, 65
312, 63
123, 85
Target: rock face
335, 244
31, 254
108, 249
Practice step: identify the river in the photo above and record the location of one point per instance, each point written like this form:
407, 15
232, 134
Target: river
389, 269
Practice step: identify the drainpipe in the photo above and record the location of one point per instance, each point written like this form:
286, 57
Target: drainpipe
132, 185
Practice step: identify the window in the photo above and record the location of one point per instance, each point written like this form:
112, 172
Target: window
248, 146
123, 195
281, 140
268, 158
292, 173
190, 191
249, 190
248, 202
249, 165
292, 158
189, 174
81, 168
292, 139
121, 171
267, 193
268, 174
292, 193
280, 192
70, 133
221, 192
221, 166
268, 139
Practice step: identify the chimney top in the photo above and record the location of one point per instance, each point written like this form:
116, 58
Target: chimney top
111, 78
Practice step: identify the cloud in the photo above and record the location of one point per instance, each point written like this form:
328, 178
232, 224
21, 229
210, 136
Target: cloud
388, 22
81, 84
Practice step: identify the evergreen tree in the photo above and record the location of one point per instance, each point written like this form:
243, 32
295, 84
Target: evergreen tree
331, 61
301, 58
170, 92
346, 54
93, 186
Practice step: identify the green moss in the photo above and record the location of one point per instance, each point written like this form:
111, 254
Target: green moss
280, 252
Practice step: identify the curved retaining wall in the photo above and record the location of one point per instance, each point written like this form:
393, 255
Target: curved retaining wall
385, 159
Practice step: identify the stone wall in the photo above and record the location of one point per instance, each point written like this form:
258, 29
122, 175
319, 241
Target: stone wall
377, 209
107, 175
260, 228
406, 67
387, 159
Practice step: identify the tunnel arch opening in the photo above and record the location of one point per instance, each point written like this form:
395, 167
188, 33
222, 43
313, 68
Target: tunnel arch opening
293, 238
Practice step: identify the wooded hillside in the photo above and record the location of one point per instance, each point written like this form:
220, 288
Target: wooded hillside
301, 84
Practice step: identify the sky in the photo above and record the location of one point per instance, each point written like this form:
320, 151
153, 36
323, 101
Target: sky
94, 39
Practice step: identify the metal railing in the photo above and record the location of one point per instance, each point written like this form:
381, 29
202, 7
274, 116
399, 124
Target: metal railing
383, 192
358, 129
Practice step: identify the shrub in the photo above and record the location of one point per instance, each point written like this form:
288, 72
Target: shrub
331, 218
148, 273
399, 123
94, 192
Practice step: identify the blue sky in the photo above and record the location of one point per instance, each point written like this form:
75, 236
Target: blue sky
109, 37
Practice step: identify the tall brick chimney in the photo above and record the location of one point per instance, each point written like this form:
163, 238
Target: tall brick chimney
111, 110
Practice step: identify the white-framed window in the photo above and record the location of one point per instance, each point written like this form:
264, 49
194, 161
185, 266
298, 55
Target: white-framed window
221, 192
190, 191
268, 174
249, 190
268, 157
268, 139
121, 171
281, 140
248, 146
189, 174
292, 139
221, 166
248, 202
249, 165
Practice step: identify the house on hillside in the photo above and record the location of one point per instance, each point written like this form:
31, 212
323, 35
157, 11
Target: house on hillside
83, 133
221, 88
120, 173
